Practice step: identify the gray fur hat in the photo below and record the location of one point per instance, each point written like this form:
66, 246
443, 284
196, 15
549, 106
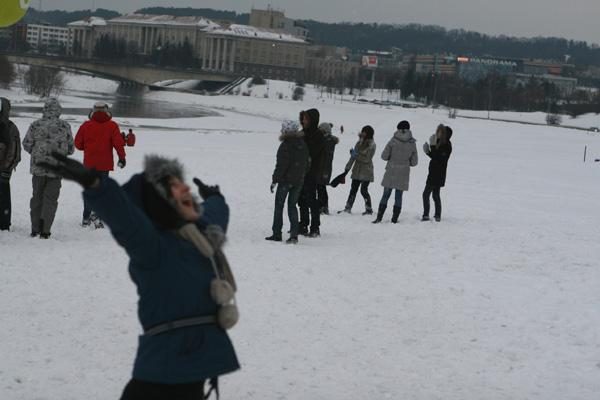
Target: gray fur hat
158, 170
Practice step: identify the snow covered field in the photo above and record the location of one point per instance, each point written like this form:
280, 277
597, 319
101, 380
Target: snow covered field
497, 301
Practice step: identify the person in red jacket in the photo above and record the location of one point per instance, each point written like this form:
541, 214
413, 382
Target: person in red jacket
97, 138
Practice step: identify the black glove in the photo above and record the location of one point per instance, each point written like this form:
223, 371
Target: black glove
207, 191
122, 163
72, 170
273, 185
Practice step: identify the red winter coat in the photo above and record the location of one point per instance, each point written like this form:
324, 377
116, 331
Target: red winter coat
97, 138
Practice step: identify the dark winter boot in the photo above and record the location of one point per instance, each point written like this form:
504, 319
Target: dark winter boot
303, 230
368, 208
292, 240
425, 218
349, 204
380, 213
396, 214
274, 238
314, 233
45, 235
438, 219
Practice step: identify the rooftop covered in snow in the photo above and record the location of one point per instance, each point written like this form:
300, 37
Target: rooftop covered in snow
259, 33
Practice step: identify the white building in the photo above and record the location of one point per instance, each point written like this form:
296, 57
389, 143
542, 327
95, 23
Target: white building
237, 49
50, 37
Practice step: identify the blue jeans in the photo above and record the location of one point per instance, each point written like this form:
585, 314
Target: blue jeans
292, 193
387, 192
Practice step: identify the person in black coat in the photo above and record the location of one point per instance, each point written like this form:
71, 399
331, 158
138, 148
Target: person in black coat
438, 149
330, 142
309, 203
290, 169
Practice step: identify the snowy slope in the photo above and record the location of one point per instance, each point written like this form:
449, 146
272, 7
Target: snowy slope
498, 301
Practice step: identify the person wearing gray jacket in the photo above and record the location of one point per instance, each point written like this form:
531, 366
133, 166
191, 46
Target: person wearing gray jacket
46, 135
10, 156
400, 154
361, 163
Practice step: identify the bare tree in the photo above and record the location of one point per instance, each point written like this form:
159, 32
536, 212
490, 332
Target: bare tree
43, 81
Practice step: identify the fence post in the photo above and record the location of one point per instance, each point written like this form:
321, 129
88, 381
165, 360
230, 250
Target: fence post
584, 153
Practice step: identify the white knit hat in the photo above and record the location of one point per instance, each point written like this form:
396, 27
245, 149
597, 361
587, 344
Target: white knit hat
290, 125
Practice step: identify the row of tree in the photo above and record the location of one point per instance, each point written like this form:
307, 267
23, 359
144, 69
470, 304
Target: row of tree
118, 49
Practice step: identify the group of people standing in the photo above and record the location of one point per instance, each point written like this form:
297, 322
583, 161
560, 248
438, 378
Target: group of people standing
96, 137
304, 169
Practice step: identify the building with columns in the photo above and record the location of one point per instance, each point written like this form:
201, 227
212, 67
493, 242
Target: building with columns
234, 49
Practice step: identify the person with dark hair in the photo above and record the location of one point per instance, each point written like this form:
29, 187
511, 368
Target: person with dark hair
45, 135
309, 203
290, 169
10, 156
438, 149
97, 138
400, 154
183, 280
361, 163
330, 142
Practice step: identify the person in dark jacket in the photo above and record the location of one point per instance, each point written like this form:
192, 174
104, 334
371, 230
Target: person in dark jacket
290, 169
361, 163
47, 134
97, 138
330, 142
10, 155
438, 149
165, 233
309, 203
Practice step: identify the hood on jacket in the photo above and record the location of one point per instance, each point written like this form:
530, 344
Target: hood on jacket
404, 135
313, 117
4, 109
52, 109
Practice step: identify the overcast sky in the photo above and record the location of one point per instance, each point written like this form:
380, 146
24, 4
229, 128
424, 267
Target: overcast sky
572, 19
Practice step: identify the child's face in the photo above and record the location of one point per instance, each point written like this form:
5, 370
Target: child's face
184, 201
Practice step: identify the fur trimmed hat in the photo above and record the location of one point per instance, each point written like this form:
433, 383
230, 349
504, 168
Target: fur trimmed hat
156, 190
325, 127
158, 170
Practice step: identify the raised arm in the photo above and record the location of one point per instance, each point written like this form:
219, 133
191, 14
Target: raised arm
128, 224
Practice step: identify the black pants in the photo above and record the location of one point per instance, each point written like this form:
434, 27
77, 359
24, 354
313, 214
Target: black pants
5, 206
87, 211
322, 196
436, 200
310, 209
140, 390
364, 191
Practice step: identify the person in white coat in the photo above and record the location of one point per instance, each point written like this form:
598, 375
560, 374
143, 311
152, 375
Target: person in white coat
400, 154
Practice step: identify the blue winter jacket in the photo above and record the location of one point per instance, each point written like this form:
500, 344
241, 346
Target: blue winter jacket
173, 280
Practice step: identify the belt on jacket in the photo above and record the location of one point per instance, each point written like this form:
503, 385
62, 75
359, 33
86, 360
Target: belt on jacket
180, 323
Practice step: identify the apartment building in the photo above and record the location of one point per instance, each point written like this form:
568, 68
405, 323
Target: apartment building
49, 37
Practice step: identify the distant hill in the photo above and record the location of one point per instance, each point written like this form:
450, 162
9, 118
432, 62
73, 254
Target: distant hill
201, 12
62, 18
412, 38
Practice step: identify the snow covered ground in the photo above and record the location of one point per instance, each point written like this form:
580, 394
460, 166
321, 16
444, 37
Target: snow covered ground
497, 301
